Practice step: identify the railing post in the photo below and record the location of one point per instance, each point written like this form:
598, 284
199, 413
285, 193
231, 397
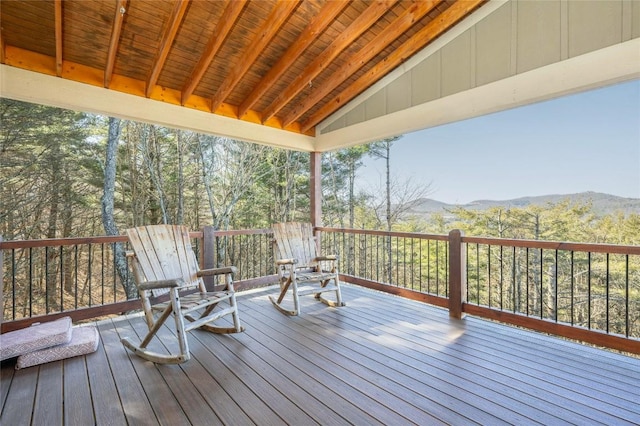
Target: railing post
208, 254
457, 274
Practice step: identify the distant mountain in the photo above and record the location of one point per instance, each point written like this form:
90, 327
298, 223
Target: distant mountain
602, 204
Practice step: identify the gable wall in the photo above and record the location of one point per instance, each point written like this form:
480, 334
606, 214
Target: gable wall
505, 44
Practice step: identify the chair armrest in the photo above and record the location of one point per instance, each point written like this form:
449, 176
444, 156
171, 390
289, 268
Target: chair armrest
217, 271
154, 285
286, 261
330, 257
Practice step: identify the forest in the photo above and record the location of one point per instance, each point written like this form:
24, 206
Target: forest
55, 182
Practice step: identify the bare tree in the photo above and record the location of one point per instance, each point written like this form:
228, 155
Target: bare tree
107, 204
390, 209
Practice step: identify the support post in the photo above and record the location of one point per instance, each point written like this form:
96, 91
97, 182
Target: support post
208, 254
457, 274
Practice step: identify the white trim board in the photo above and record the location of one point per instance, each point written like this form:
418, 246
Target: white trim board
29, 86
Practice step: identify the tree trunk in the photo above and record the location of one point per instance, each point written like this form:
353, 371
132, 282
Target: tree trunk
54, 206
107, 203
180, 208
388, 192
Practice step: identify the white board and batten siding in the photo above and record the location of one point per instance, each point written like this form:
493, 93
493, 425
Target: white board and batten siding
506, 54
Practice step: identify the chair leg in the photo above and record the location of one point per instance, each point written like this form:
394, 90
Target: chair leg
338, 302
179, 320
284, 287
296, 297
142, 351
235, 315
338, 293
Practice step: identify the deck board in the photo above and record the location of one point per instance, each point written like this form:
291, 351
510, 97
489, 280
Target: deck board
380, 360
48, 407
77, 393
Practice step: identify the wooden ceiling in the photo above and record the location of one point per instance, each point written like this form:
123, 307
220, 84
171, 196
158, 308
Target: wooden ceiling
282, 63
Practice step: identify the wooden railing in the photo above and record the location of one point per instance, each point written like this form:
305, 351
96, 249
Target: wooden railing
589, 292
78, 277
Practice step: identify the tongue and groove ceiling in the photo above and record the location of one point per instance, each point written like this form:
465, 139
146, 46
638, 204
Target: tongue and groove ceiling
311, 75
281, 64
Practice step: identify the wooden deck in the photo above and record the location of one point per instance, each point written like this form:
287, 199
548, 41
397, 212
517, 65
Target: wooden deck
380, 360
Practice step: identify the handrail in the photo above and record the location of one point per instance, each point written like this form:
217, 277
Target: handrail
586, 291
49, 278
557, 245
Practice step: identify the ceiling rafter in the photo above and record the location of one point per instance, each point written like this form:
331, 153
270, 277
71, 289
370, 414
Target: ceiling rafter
121, 9
229, 17
175, 20
399, 25
432, 30
357, 27
279, 14
322, 20
57, 5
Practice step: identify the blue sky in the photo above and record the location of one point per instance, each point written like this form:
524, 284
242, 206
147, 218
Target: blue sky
584, 142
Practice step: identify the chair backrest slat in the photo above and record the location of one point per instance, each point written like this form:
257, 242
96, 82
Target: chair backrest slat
295, 240
164, 252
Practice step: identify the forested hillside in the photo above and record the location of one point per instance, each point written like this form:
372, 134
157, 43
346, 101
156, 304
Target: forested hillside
56, 167
601, 204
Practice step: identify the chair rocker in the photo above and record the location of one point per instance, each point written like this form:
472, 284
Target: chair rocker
298, 263
164, 263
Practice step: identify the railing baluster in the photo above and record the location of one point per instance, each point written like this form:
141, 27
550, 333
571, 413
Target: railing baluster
75, 279
489, 274
556, 284
541, 284
607, 296
501, 283
573, 279
527, 275
90, 273
626, 297
13, 284
61, 280
102, 273
589, 291
478, 270
513, 282
437, 269
429, 266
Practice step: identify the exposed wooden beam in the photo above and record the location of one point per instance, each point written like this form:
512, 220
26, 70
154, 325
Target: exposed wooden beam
279, 14
419, 40
58, 30
357, 27
121, 9
325, 17
399, 25
226, 22
167, 40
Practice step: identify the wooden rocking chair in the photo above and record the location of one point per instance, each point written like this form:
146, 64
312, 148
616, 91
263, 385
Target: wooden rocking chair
297, 262
164, 262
